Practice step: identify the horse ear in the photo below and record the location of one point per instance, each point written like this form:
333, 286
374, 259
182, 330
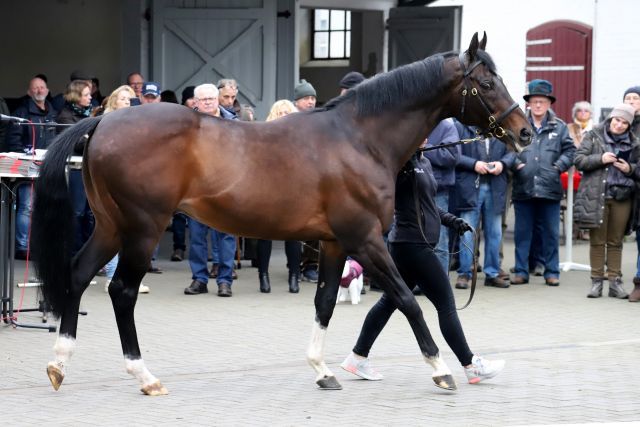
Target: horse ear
483, 42
473, 47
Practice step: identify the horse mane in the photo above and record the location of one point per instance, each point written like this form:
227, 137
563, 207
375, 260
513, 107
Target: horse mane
405, 85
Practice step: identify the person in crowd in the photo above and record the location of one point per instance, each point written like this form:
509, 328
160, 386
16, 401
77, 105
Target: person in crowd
23, 139
228, 95
480, 193
632, 97
96, 95
607, 157
537, 190
207, 102
292, 248
179, 222
582, 121
351, 79
443, 162
150, 93
412, 248
59, 100
136, 80
168, 96
119, 98
78, 107
247, 113
304, 95
4, 109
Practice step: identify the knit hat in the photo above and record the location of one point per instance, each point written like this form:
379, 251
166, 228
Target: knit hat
633, 89
187, 93
302, 89
351, 79
539, 87
623, 111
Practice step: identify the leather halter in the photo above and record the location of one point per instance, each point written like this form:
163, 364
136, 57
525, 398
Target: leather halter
495, 128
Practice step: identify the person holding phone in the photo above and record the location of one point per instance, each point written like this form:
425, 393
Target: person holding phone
607, 157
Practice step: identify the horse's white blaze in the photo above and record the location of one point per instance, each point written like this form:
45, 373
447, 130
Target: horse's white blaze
439, 366
64, 348
315, 352
138, 369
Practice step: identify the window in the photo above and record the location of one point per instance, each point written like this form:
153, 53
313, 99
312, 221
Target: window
331, 34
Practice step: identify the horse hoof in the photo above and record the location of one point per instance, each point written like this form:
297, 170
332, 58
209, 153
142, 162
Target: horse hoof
329, 383
55, 375
155, 389
445, 381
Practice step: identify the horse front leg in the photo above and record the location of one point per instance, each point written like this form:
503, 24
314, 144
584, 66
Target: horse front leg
377, 261
123, 290
331, 262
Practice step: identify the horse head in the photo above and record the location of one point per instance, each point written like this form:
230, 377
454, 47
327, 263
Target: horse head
486, 103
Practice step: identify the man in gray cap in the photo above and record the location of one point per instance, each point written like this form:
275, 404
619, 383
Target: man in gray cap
304, 96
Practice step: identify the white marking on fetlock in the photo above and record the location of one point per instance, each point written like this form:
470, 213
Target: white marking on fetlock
439, 366
64, 348
315, 352
138, 369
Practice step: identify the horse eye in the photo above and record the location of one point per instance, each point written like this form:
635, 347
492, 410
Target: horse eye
486, 84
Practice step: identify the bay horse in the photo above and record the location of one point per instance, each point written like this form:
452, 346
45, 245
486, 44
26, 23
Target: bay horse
328, 175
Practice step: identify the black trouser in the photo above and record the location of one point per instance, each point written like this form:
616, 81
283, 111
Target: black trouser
310, 252
179, 228
292, 248
418, 265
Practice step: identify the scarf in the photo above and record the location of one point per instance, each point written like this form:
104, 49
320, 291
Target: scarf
81, 111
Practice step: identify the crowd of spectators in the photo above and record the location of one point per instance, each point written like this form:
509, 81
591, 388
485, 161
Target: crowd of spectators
478, 182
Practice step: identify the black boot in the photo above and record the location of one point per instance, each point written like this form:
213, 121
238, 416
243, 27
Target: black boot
265, 285
596, 288
294, 286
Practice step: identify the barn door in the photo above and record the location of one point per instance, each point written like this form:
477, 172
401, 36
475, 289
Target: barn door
417, 32
560, 51
218, 39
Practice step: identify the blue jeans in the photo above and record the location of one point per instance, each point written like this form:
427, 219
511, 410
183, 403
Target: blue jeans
442, 248
23, 215
638, 256
110, 268
198, 252
492, 230
83, 217
533, 215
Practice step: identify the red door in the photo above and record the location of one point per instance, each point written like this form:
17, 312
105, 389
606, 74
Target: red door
560, 51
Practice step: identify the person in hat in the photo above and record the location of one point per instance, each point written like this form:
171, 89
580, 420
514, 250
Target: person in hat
150, 93
607, 157
304, 96
537, 189
351, 79
632, 97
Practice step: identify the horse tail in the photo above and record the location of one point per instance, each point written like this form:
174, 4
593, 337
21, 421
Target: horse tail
52, 220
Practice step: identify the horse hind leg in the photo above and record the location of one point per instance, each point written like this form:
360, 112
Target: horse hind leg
86, 263
123, 290
331, 261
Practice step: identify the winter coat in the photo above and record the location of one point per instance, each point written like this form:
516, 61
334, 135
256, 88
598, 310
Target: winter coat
20, 138
594, 186
443, 160
468, 180
549, 154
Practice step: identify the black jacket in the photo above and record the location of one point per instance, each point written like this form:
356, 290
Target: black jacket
550, 153
20, 138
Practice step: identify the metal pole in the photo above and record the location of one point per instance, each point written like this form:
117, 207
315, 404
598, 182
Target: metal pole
568, 225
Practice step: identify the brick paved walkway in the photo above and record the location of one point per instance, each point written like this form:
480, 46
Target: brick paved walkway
240, 361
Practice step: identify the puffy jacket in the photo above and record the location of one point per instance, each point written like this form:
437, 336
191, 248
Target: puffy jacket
590, 200
443, 160
20, 138
549, 154
467, 179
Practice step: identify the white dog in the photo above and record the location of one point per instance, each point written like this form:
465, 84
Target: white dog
351, 282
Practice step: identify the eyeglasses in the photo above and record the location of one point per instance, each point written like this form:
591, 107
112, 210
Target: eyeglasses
583, 111
540, 101
136, 83
206, 100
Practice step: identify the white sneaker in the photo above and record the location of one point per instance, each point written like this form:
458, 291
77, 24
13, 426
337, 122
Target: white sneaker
483, 369
361, 368
106, 285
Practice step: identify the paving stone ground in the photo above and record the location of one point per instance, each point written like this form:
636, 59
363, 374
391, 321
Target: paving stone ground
240, 361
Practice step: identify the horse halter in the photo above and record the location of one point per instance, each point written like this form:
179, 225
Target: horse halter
495, 128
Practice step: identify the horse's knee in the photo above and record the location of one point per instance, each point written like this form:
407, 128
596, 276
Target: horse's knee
409, 306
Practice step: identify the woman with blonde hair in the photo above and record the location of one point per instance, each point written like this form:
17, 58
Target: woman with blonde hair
582, 121
119, 98
292, 248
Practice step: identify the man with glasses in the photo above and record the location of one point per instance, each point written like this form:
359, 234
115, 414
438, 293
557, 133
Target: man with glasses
135, 80
206, 96
537, 190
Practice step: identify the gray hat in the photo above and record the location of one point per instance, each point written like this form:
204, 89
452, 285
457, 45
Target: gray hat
623, 111
302, 89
